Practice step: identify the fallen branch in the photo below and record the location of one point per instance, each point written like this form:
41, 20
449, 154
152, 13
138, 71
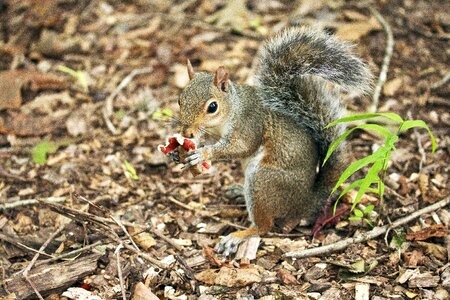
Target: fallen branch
386, 59
375, 232
33, 261
20, 203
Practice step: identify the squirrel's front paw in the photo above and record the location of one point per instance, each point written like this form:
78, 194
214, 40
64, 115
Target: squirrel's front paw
228, 245
195, 157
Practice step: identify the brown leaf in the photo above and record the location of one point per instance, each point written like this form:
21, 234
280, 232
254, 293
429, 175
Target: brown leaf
423, 184
20, 124
391, 87
436, 230
142, 238
208, 253
142, 292
11, 83
413, 258
434, 249
355, 30
230, 277
286, 277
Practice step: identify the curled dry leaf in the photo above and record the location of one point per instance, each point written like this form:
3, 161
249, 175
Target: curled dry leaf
11, 83
208, 253
435, 230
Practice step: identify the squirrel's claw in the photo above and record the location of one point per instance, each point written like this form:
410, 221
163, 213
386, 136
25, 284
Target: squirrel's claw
228, 245
193, 158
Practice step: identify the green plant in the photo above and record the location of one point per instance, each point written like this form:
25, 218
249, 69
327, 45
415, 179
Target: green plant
378, 160
80, 76
41, 150
130, 170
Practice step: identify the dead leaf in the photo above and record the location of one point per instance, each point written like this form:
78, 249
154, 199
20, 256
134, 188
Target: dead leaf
209, 254
356, 30
434, 249
231, 277
20, 124
435, 230
142, 292
142, 238
423, 185
286, 277
11, 83
391, 87
413, 258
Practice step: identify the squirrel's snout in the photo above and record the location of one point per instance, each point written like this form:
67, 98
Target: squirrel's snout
188, 132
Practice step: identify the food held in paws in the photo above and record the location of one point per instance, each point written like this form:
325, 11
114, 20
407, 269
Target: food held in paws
177, 147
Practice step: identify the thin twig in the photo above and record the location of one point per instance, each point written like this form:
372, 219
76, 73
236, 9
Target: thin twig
386, 59
30, 265
441, 82
12, 241
375, 232
68, 254
25, 202
108, 109
119, 271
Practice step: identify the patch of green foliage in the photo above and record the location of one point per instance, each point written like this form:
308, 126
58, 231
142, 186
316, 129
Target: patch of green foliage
163, 114
41, 150
80, 76
373, 181
131, 170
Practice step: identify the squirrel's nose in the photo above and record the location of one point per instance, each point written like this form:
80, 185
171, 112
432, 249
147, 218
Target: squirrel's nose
188, 132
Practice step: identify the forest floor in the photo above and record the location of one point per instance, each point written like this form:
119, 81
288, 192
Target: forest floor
88, 90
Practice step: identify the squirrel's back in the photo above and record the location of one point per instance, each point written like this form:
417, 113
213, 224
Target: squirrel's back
296, 68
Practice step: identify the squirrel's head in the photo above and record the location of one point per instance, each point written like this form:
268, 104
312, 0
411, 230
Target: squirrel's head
205, 103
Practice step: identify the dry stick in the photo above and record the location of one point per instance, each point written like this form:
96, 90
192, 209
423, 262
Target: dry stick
215, 218
119, 271
25, 202
375, 232
20, 245
441, 82
30, 265
100, 221
386, 59
72, 253
109, 106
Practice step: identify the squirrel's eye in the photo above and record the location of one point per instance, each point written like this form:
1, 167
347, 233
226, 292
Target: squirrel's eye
212, 107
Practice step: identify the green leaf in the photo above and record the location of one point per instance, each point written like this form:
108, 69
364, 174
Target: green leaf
163, 114
131, 170
40, 151
372, 173
421, 124
350, 170
358, 117
369, 209
373, 127
354, 218
368, 222
358, 213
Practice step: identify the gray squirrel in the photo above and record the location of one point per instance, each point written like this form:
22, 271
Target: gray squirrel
277, 127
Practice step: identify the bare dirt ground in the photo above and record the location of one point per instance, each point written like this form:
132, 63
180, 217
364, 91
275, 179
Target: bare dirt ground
88, 90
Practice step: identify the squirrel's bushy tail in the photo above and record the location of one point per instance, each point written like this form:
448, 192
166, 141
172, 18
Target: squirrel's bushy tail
289, 67
295, 71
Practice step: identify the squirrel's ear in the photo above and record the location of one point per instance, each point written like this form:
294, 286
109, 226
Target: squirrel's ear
221, 79
190, 70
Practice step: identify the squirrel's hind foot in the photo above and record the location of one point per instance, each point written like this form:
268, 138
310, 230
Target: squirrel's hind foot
229, 244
